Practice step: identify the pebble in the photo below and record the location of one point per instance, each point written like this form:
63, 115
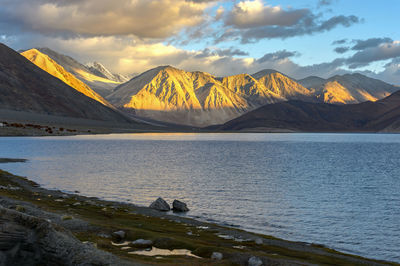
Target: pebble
216, 256
255, 261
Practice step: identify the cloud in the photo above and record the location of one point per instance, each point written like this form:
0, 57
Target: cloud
381, 52
324, 3
249, 14
339, 42
252, 20
276, 56
126, 55
306, 27
142, 18
372, 42
391, 72
207, 52
341, 50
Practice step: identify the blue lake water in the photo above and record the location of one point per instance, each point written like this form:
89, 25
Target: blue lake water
340, 190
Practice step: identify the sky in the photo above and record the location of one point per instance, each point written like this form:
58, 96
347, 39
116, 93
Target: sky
299, 37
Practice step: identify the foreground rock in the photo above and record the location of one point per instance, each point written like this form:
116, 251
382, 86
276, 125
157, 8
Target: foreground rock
179, 206
254, 261
142, 243
29, 240
119, 235
160, 205
217, 256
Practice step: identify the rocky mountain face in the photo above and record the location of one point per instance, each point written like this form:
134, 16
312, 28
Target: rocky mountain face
26, 87
101, 71
200, 99
90, 76
348, 88
382, 115
50, 66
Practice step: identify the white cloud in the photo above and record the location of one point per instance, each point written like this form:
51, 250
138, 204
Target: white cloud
142, 18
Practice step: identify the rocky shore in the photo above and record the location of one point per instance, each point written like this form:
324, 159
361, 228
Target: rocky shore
47, 227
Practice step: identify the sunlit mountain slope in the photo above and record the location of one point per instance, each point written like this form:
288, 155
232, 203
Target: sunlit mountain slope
200, 99
100, 84
349, 88
50, 66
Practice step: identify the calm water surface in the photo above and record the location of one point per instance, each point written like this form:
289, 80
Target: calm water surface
341, 190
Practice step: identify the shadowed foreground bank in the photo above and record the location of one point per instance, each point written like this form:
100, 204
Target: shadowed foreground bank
42, 226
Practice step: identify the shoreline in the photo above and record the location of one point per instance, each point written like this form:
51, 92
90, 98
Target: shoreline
97, 220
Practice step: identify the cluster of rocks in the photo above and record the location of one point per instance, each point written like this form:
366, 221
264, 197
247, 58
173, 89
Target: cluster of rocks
161, 205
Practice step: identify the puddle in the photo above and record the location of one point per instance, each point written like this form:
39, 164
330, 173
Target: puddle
164, 252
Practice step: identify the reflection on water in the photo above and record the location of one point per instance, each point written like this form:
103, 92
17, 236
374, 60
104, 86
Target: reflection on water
342, 190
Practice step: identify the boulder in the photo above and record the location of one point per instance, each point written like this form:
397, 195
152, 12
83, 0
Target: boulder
216, 256
259, 241
119, 235
160, 205
142, 243
179, 206
254, 261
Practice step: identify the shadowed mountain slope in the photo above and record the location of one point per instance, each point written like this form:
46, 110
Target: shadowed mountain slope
382, 115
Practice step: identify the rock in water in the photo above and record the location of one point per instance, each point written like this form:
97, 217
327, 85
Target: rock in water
160, 205
254, 261
179, 206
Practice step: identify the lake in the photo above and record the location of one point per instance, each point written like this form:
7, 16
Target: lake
340, 190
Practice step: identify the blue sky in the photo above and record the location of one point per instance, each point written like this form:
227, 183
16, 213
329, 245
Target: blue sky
220, 37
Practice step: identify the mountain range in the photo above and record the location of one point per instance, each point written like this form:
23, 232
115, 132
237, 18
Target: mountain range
170, 96
201, 99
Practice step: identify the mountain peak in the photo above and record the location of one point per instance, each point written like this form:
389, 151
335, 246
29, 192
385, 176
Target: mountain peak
265, 72
100, 70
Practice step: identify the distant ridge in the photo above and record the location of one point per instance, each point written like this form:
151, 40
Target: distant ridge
382, 115
348, 88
